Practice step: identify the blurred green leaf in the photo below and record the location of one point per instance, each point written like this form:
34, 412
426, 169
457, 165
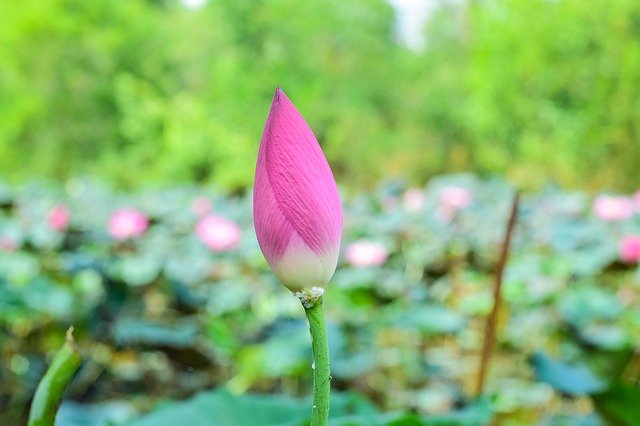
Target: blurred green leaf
619, 403
429, 319
569, 379
137, 269
108, 413
221, 408
131, 331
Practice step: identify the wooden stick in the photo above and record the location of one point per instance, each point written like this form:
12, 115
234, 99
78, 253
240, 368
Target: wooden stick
492, 320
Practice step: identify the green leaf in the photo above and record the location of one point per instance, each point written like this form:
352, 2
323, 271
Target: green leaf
583, 305
137, 270
429, 320
620, 403
221, 408
128, 331
101, 414
569, 379
477, 414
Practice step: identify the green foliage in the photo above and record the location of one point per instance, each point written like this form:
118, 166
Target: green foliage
346, 410
245, 410
568, 379
162, 317
619, 403
546, 89
151, 91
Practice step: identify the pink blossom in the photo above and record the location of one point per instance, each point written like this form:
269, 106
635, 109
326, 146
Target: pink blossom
366, 253
296, 206
201, 206
8, 244
58, 218
455, 198
630, 248
127, 223
636, 200
218, 233
413, 200
612, 208
452, 199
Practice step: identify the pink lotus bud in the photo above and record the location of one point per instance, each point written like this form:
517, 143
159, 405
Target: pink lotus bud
58, 218
413, 200
218, 233
630, 249
365, 253
201, 206
454, 198
611, 208
296, 206
127, 223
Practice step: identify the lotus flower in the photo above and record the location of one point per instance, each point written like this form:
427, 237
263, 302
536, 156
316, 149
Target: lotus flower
365, 253
611, 208
218, 233
455, 198
413, 200
58, 218
296, 206
452, 199
630, 249
127, 223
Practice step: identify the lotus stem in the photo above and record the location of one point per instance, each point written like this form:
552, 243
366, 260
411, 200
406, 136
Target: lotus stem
50, 389
492, 320
312, 302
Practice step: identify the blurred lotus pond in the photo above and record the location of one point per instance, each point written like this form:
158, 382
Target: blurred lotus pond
179, 317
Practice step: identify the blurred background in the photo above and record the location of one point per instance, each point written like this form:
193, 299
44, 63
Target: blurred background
161, 91
128, 137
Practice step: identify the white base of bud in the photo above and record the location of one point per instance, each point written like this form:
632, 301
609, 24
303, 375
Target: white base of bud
309, 296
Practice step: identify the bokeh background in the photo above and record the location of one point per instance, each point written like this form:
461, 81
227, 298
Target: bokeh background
128, 137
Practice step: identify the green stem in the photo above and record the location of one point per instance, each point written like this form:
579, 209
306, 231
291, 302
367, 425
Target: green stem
321, 368
50, 389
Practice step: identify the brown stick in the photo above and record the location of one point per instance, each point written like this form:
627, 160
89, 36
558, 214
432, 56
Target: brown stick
492, 320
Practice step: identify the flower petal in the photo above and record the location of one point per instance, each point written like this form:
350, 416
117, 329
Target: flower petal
297, 210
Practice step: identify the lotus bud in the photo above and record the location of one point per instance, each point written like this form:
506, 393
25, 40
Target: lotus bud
296, 206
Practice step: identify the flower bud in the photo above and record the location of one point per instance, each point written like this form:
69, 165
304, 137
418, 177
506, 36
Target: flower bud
296, 206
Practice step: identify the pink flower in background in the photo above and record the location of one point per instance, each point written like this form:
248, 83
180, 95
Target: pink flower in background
452, 199
636, 201
201, 206
58, 218
611, 208
630, 249
296, 206
218, 233
413, 199
127, 223
366, 253
455, 198
8, 244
